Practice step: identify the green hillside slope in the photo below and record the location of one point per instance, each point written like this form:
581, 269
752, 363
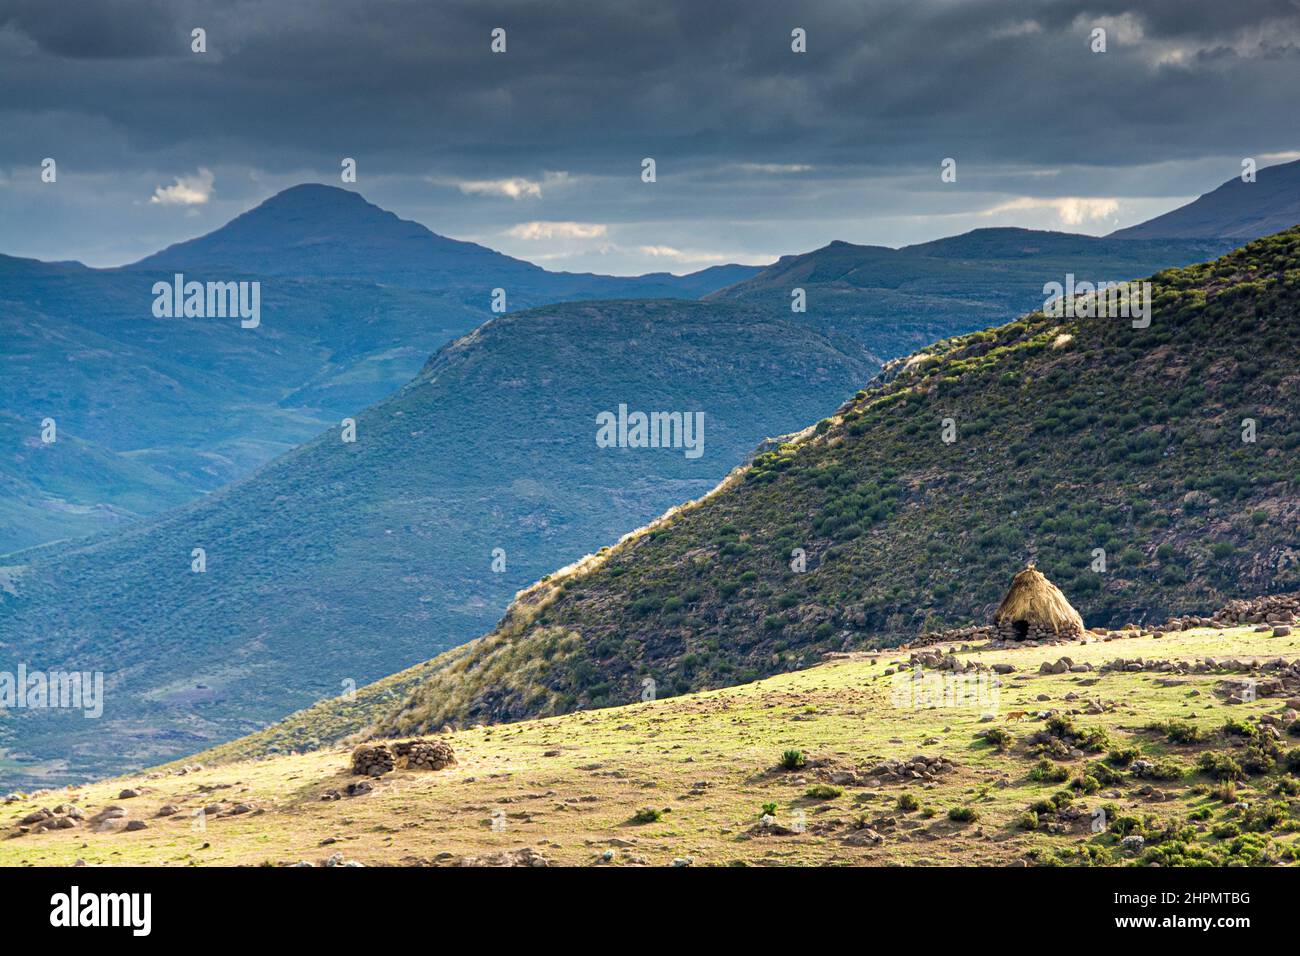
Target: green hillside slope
1070, 435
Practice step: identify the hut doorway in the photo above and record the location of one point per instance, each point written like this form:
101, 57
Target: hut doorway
1020, 629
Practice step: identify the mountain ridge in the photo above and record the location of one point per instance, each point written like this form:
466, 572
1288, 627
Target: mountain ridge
347, 560
703, 597
330, 231
1236, 209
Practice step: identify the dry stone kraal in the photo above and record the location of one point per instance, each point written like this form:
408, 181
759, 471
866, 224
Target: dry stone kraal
421, 754
1273, 609
372, 760
375, 760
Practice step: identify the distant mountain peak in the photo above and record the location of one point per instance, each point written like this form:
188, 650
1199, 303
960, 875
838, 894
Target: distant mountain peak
327, 232
320, 191
317, 230
1235, 210
321, 201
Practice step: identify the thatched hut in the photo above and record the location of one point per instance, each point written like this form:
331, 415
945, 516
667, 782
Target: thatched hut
1036, 610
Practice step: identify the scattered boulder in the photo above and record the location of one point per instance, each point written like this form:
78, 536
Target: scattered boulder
865, 836
919, 767
108, 817
526, 856
768, 826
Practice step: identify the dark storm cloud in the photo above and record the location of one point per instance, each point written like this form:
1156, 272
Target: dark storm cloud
710, 89
113, 29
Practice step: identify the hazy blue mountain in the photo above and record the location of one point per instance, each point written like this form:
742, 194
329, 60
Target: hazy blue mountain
1236, 210
353, 300
192, 403
328, 232
154, 411
348, 561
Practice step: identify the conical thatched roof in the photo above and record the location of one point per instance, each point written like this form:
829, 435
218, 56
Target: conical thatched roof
1035, 599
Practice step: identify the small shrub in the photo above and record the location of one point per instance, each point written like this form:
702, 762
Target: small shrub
1051, 747
1047, 772
963, 815
908, 803
1177, 731
1085, 784
823, 791
647, 815
1287, 787
1240, 728
1105, 776
999, 738
1126, 825
1123, 757
1220, 766
1167, 770
1094, 741
1062, 727
1258, 759
793, 759
1027, 821
1264, 816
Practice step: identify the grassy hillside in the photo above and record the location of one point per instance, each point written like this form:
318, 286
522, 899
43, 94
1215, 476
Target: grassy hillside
691, 778
1070, 435
895, 301
341, 563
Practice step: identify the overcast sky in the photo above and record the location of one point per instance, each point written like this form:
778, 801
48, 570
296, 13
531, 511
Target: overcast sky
537, 151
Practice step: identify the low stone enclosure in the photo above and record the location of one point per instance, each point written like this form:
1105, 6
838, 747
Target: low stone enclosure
377, 759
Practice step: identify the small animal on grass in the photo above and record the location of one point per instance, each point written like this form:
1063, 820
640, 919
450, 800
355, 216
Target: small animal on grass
1017, 715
